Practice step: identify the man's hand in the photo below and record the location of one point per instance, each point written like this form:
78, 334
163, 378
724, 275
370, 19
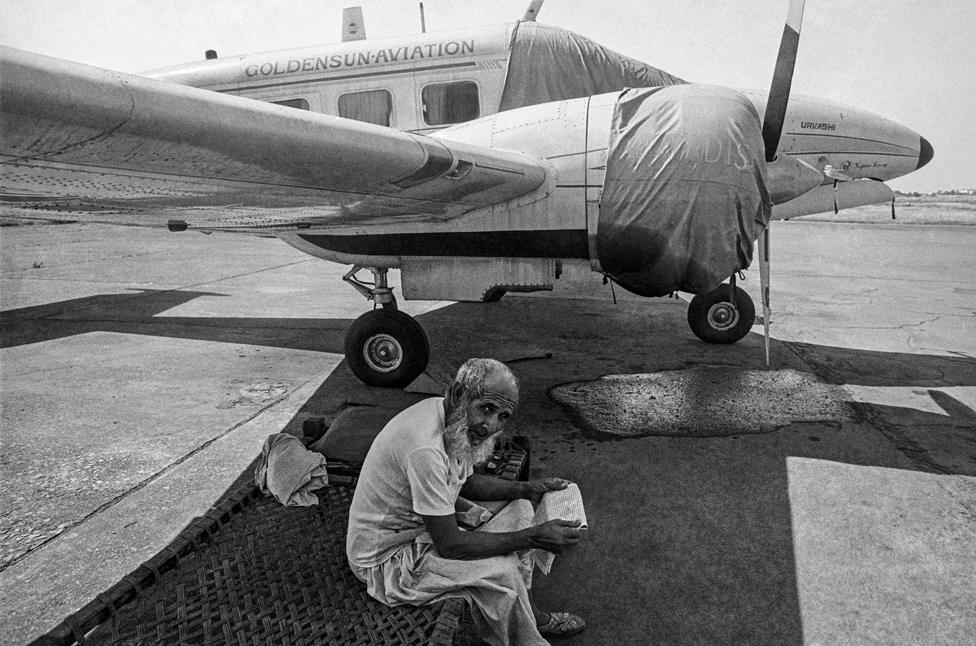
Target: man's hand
535, 488
556, 535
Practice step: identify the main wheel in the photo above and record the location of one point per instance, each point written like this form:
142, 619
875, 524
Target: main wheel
386, 348
715, 319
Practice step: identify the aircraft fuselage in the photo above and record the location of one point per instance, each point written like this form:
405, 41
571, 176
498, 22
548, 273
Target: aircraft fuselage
476, 162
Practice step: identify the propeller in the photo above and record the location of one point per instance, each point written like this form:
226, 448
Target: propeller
772, 130
779, 89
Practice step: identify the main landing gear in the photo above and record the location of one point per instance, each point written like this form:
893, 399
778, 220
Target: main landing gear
723, 315
384, 347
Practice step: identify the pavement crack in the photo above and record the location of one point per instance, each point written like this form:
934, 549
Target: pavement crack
145, 482
904, 326
901, 441
242, 274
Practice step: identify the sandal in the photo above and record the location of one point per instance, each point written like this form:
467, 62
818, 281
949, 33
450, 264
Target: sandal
561, 624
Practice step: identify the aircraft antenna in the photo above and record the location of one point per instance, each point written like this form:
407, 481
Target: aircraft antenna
353, 27
533, 10
423, 23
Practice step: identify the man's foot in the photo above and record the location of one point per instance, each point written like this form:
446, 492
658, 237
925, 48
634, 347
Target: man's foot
560, 624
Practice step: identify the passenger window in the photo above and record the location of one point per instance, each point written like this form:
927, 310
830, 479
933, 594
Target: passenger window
301, 104
372, 106
446, 103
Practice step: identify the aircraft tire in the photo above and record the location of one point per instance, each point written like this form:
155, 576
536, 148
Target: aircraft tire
386, 348
713, 318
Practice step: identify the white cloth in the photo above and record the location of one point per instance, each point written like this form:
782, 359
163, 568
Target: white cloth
290, 472
470, 515
406, 474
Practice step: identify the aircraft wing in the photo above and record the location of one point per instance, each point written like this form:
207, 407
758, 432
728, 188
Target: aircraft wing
78, 142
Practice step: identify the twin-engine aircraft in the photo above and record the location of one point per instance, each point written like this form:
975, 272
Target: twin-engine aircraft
476, 162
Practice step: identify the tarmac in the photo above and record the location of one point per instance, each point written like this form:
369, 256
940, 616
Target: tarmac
827, 499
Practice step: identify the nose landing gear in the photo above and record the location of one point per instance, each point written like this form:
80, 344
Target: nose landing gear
723, 315
384, 347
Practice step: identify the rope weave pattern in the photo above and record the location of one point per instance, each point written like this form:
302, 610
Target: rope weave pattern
253, 572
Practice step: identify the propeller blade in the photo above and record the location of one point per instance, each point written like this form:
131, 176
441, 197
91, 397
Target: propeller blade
764, 285
779, 89
779, 97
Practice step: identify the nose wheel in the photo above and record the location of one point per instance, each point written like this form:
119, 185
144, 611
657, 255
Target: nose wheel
723, 315
384, 347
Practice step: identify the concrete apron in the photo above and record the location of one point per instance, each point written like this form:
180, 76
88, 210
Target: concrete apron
66, 572
726, 503
730, 504
141, 371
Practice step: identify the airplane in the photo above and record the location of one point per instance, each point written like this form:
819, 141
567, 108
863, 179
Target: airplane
476, 162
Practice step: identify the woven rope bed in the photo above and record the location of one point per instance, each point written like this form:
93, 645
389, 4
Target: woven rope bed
254, 572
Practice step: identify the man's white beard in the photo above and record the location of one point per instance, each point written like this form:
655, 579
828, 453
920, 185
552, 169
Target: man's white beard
458, 444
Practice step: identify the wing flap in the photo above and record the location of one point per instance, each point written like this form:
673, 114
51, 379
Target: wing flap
99, 140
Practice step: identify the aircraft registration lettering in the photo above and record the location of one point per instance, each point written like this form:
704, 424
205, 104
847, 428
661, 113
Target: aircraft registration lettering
357, 59
814, 125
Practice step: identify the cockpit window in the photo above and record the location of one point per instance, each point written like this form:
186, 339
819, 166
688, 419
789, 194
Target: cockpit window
301, 104
446, 103
371, 106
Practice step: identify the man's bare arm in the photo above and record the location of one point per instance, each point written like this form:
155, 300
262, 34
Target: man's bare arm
481, 487
453, 543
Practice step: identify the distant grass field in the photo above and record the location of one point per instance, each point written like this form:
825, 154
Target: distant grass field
925, 209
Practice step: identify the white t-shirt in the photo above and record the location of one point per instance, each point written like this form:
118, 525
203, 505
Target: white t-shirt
406, 474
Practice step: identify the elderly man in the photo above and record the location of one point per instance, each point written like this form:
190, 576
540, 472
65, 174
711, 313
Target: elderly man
404, 541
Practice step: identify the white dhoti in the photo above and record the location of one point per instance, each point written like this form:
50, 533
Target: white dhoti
496, 588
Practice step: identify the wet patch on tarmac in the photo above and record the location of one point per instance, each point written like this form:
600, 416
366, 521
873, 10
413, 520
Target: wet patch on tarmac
699, 402
256, 394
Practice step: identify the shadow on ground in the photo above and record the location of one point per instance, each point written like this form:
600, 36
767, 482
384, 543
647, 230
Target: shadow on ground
138, 313
691, 538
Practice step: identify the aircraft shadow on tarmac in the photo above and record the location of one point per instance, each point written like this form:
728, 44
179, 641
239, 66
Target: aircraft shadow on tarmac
138, 313
691, 539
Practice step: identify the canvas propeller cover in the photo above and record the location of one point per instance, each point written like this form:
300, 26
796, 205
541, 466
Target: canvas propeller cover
685, 190
551, 64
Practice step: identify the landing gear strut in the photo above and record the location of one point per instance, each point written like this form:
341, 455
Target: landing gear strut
723, 315
384, 347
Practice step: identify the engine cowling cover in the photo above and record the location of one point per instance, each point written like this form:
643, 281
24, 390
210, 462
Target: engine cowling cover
685, 190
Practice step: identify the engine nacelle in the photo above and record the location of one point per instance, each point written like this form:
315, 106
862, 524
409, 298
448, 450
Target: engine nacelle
684, 195
662, 189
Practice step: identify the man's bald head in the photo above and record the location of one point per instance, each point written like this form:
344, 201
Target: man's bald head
488, 378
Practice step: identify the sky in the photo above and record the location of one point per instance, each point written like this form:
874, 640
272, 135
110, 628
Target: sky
911, 61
